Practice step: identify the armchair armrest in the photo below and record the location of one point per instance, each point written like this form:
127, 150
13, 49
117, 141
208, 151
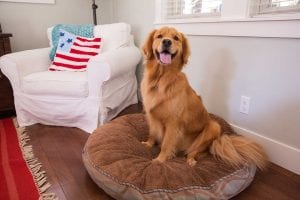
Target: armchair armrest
119, 61
19, 64
110, 65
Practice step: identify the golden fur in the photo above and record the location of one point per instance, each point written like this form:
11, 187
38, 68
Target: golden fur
177, 118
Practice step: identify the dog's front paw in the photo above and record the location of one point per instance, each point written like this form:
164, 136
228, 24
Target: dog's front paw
191, 161
148, 144
158, 160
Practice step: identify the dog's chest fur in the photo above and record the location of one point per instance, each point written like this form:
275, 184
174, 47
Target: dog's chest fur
158, 88
167, 96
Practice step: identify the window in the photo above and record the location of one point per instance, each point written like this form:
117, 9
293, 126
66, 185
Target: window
274, 6
237, 18
190, 8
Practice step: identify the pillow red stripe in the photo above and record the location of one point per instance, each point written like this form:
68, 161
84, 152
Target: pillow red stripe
72, 58
89, 40
69, 66
90, 46
83, 52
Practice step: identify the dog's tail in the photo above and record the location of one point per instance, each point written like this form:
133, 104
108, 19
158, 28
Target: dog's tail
237, 150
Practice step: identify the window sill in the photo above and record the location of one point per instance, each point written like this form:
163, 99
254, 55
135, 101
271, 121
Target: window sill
270, 26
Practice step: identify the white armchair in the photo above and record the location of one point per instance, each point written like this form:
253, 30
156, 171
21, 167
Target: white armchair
75, 99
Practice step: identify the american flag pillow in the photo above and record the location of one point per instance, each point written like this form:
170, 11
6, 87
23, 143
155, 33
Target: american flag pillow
73, 52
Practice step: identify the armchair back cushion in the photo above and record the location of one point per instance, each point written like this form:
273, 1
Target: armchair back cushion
114, 35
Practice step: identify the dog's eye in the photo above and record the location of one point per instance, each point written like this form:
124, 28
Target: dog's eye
176, 38
159, 36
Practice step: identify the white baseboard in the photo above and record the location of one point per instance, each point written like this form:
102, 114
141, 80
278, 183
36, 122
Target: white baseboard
281, 154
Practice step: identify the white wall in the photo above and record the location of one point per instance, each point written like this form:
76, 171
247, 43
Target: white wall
140, 15
221, 69
28, 22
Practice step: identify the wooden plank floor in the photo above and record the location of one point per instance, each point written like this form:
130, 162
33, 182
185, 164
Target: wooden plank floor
59, 150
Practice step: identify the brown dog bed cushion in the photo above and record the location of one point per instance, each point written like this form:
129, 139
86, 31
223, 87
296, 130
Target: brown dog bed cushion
121, 165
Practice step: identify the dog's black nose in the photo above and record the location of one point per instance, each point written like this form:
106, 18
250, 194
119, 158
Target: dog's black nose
166, 43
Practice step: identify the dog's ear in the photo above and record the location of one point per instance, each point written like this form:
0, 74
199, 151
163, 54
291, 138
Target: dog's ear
147, 47
185, 49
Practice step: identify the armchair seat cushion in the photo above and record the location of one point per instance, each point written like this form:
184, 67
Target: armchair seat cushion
56, 83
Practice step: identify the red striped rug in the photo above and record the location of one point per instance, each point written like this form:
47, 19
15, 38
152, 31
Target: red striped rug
20, 174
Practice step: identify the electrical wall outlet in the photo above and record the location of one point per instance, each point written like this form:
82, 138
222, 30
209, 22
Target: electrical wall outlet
245, 104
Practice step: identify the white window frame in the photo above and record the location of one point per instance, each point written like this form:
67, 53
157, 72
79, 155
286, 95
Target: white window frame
31, 1
235, 20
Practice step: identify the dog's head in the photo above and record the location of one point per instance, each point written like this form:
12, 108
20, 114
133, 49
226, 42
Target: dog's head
166, 45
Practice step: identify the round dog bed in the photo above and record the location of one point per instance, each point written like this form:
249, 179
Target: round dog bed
121, 165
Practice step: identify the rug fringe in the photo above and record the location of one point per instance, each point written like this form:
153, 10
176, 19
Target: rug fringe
34, 166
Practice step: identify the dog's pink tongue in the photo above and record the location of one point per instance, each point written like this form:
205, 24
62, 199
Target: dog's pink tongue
165, 58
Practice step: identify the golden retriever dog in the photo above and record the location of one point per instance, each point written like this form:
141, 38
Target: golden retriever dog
177, 118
